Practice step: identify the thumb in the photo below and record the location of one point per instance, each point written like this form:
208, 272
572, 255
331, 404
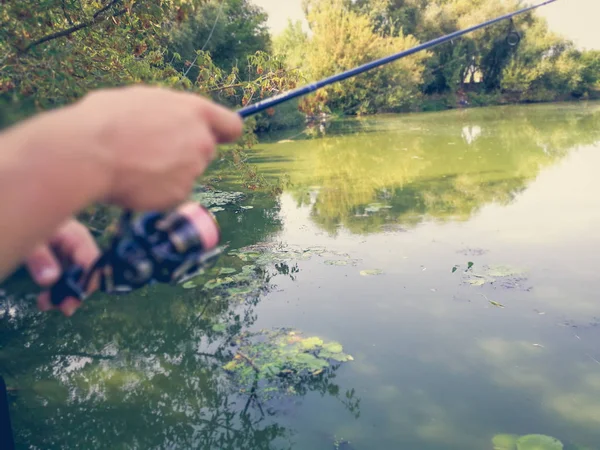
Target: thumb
43, 266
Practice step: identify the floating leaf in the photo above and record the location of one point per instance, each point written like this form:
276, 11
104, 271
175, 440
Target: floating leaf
496, 304
247, 207
189, 285
469, 265
505, 442
280, 358
333, 347
337, 262
479, 281
538, 442
310, 362
213, 198
218, 282
454, 269
310, 343
502, 276
503, 271
231, 365
366, 273
219, 327
226, 271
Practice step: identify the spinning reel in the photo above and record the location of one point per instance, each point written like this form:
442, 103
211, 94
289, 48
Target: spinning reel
152, 248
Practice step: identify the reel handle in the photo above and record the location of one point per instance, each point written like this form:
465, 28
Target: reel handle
69, 285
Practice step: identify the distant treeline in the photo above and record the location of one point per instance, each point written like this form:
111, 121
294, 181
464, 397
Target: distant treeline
57, 51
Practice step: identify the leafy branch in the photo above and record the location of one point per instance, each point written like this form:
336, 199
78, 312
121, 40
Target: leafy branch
97, 17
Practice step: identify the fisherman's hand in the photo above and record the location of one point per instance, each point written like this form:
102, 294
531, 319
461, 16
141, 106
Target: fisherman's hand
153, 141
72, 241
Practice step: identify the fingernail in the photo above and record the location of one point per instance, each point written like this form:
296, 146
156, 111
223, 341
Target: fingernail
46, 274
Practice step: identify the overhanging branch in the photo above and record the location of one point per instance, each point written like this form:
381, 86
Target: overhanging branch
97, 17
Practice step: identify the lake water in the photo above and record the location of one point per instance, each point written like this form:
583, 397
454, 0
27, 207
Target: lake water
483, 320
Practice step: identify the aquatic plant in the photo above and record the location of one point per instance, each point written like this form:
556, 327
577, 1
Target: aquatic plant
505, 442
504, 276
215, 200
538, 442
527, 442
272, 362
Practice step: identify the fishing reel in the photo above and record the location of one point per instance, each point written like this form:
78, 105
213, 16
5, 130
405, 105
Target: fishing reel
152, 248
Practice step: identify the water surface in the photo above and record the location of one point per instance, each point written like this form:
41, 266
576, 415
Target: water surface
439, 363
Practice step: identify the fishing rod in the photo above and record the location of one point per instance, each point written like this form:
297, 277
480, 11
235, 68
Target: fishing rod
304, 90
172, 247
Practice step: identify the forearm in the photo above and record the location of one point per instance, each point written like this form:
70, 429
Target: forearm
49, 170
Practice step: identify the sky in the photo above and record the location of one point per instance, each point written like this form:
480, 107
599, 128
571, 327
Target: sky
578, 20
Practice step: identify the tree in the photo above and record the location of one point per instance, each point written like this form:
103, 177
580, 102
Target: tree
291, 43
342, 39
56, 52
230, 30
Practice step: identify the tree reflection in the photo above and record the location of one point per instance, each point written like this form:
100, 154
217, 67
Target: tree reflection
443, 167
146, 370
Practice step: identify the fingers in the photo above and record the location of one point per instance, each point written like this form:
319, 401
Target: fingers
43, 266
67, 307
226, 125
76, 244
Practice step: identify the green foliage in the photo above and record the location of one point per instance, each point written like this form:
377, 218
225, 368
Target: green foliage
542, 67
538, 442
274, 362
230, 30
342, 39
505, 442
292, 43
500, 275
527, 442
57, 51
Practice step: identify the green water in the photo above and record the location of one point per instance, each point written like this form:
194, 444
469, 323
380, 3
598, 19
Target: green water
438, 363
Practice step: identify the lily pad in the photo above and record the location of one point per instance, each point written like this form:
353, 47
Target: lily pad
366, 273
477, 281
500, 275
227, 271
337, 262
503, 271
311, 343
210, 198
505, 442
280, 358
333, 347
218, 282
538, 442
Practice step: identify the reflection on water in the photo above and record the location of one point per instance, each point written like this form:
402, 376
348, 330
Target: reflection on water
383, 171
437, 364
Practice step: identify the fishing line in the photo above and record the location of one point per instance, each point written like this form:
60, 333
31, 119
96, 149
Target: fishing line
209, 37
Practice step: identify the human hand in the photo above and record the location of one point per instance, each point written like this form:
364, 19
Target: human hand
154, 142
72, 241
